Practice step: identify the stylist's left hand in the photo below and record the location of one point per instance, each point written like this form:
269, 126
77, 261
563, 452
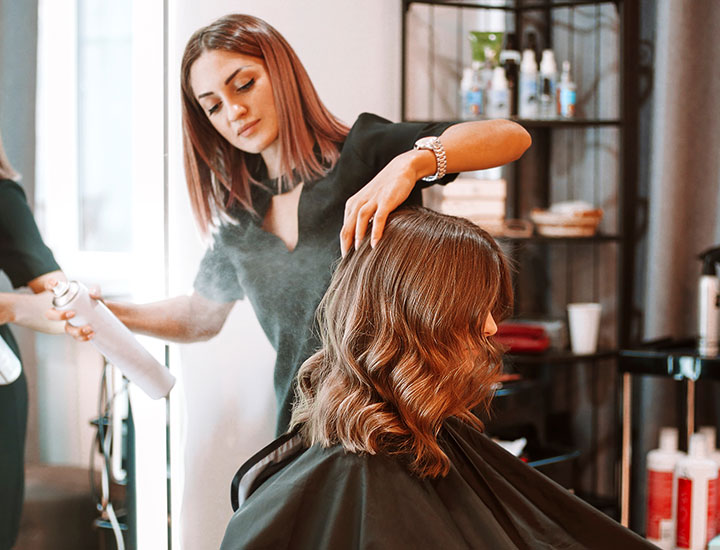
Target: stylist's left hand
375, 201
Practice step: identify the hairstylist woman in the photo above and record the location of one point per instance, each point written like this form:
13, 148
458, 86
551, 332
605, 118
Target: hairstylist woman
26, 261
284, 188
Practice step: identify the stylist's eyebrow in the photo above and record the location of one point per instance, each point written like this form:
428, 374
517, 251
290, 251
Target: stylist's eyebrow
227, 80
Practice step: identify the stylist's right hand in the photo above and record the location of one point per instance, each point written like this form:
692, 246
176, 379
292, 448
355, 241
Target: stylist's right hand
82, 333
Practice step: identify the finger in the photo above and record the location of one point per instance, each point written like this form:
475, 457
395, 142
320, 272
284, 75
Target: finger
95, 292
363, 219
50, 283
348, 229
378, 226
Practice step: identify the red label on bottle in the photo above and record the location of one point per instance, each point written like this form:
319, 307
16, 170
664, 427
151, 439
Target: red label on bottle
659, 501
684, 513
711, 509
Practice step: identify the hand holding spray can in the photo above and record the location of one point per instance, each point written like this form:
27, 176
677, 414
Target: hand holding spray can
113, 339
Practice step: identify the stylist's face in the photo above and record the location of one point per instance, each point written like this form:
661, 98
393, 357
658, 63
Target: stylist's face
235, 92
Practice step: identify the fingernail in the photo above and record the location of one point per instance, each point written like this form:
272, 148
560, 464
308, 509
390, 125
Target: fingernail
357, 244
373, 243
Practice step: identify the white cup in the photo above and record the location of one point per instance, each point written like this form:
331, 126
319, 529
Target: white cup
584, 321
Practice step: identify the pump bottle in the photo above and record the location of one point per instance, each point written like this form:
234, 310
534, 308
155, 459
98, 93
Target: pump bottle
547, 84
113, 339
708, 303
661, 464
528, 85
696, 488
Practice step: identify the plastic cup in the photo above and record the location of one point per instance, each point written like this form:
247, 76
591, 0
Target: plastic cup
584, 322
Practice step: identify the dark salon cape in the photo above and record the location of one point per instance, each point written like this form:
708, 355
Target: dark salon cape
320, 498
285, 287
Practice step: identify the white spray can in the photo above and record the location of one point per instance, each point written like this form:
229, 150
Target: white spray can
10, 367
696, 476
661, 464
709, 303
710, 438
113, 339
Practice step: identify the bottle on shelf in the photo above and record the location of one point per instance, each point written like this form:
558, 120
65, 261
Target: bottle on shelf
510, 59
566, 93
498, 104
696, 487
661, 463
527, 95
547, 84
471, 93
710, 438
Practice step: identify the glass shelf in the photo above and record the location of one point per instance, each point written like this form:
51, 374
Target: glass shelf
552, 455
552, 240
678, 363
558, 356
519, 386
512, 5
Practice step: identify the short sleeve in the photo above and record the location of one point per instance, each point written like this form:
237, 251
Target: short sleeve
216, 278
376, 141
23, 254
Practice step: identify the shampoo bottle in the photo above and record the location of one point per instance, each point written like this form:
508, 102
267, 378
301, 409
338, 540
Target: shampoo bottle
113, 339
498, 105
709, 303
510, 60
566, 93
547, 84
710, 438
471, 93
696, 487
527, 95
661, 464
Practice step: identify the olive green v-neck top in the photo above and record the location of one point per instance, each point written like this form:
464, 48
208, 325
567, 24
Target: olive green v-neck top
285, 287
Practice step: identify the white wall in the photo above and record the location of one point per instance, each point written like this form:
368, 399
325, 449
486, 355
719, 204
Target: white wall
352, 52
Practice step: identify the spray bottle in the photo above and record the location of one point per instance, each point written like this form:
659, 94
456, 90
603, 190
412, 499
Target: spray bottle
498, 105
566, 93
709, 303
661, 464
696, 484
113, 339
547, 84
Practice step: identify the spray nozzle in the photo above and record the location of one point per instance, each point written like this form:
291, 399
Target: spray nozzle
709, 258
60, 288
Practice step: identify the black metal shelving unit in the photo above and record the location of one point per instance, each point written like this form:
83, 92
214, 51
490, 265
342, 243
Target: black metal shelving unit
625, 124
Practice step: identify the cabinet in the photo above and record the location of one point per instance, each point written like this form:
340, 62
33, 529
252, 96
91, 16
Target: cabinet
571, 400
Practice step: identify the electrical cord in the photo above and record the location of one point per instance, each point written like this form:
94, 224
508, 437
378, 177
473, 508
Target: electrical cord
104, 506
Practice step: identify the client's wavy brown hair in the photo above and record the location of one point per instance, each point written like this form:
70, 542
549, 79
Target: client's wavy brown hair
403, 346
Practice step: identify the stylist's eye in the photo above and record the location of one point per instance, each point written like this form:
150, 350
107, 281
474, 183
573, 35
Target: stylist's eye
212, 110
246, 86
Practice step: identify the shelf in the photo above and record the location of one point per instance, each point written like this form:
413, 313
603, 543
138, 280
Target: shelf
512, 5
519, 386
547, 122
558, 356
677, 363
557, 240
553, 456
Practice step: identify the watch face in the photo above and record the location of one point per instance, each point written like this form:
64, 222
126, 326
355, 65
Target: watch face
426, 142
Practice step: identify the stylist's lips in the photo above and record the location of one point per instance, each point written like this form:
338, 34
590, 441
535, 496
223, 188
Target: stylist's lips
248, 128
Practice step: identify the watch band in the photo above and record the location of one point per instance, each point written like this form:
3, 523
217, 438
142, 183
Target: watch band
434, 144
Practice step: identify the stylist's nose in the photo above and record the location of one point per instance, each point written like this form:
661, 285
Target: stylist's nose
490, 328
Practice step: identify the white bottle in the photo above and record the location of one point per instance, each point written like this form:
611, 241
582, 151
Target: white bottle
661, 464
498, 105
566, 93
527, 94
696, 476
10, 367
471, 93
710, 438
547, 84
113, 339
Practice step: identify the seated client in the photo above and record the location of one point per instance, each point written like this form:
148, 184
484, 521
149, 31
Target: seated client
384, 450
